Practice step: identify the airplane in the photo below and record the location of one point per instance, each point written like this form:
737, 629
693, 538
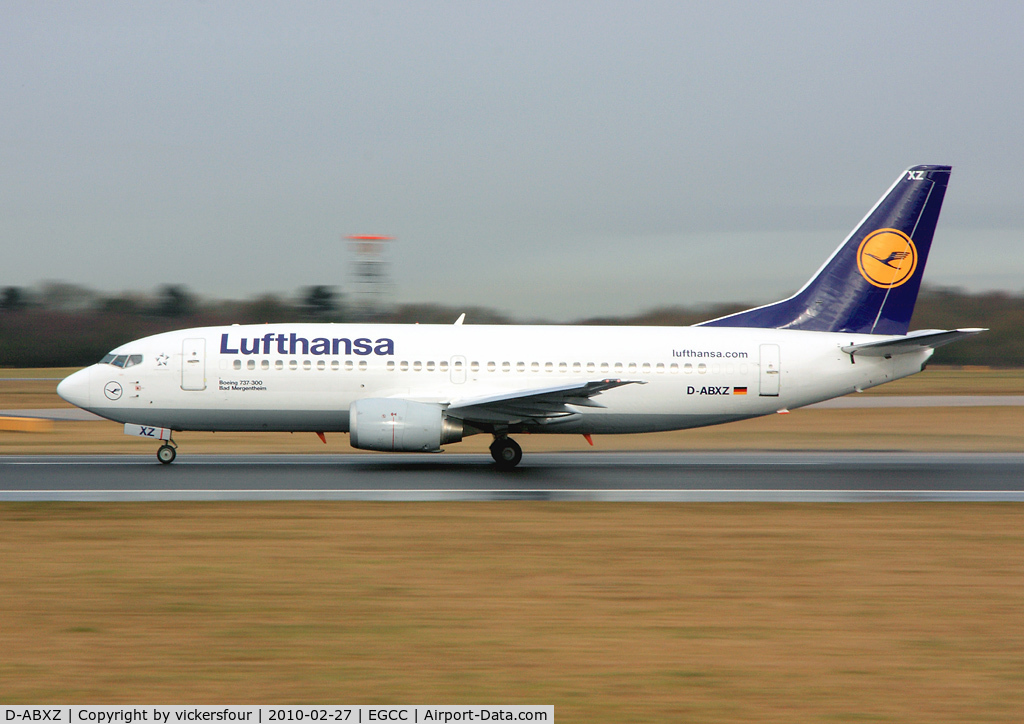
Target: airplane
417, 388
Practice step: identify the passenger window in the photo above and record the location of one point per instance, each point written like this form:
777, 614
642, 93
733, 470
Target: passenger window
506, 366
404, 365
238, 364
279, 364
474, 366
491, 367
430, 365
349, 365
321, 365
520, 367
660, 368
251, 364
293, 364
646, 368
417, 366
688, 368
535, 366
563, 367
549, 367
362, 364
673, 368
577, 367
265, 364
591, 367
307, 365
702, 368
618, 367
632, 367
390, 366
443, 366
604, 368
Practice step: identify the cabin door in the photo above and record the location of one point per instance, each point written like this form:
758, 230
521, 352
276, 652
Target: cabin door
193, 364
770, 370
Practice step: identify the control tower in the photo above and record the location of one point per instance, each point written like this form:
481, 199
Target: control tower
371, 279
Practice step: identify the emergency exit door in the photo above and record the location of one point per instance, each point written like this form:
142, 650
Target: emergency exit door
193, 364
770, 370
458, 369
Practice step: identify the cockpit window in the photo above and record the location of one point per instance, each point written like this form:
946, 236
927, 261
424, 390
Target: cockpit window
122, 360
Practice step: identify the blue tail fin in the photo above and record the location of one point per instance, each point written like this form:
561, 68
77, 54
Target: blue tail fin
870, 283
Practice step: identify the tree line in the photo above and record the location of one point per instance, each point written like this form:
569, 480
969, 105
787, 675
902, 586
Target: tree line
65, 325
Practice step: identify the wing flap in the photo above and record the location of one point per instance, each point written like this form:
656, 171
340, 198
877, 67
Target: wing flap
539, 405
913, 342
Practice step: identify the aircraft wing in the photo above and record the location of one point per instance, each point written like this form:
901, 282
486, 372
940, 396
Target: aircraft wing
912, 342
537, 405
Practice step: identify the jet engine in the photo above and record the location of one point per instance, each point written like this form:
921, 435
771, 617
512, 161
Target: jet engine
400, 426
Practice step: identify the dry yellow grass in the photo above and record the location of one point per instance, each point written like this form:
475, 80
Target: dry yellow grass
630, 612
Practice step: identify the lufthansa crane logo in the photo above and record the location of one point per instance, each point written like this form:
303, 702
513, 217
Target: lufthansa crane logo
112, 390
887, 258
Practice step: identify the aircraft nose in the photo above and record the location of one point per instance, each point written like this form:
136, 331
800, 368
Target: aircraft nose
75, 388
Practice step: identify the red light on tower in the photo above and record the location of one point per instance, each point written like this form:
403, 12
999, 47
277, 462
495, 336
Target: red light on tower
366, 243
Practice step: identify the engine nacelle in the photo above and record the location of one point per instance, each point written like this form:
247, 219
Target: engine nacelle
400, 426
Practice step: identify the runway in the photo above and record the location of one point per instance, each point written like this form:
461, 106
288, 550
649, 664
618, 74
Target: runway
610, 477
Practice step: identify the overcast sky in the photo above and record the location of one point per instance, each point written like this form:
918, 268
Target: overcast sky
548, 159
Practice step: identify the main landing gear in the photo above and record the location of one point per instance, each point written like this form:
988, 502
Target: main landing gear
167, 452
506, 452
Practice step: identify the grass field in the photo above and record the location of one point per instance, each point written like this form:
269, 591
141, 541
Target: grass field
613, 613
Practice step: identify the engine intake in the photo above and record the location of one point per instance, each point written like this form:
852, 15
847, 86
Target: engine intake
400, 426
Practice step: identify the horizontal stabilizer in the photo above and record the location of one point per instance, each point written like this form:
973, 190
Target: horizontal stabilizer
540, 404
913, 342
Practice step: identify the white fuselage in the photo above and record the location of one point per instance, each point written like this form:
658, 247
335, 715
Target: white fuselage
304, 377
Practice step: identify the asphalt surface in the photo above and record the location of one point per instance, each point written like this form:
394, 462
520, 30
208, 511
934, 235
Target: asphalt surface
778, 477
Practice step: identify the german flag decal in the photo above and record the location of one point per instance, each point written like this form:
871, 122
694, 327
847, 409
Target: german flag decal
739, 390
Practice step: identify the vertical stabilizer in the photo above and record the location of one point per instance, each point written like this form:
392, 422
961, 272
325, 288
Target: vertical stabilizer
870, 284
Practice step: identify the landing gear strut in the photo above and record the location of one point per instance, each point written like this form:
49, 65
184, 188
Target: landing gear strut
506, 453
167, 452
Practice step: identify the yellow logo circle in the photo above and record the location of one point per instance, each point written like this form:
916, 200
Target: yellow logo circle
887, 258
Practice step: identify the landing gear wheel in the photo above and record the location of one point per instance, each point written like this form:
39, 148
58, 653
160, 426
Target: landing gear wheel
506, 453
166, 454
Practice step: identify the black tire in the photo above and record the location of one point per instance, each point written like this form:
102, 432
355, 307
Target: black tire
166, 454
506, 453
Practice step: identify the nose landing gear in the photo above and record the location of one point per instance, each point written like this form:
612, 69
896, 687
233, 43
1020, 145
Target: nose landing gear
167, 452
506, 452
